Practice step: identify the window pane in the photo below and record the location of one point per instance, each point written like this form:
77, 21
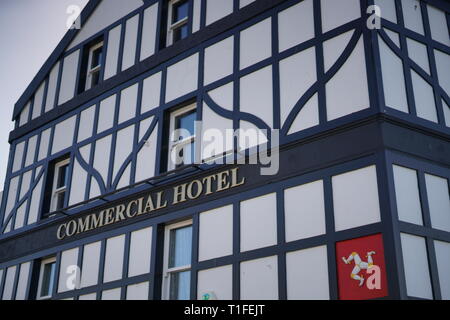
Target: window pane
48, 279
60, 197
180, 284
95, 78
180, 11
97, 57
180, 33
180, 247
62, 176
186, 122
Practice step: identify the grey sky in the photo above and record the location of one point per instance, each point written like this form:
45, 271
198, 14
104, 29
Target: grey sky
29, 32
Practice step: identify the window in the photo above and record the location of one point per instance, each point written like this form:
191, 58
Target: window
178, 18
94, 65
182, 137
60, 185
177, 261
46, 278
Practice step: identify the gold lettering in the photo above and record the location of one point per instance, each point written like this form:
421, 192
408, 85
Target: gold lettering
84, 224
190, 194
58, 232
97, 220
140, 205
179, 194
208, 181
109, 217
120, 209
129, 213
159, 197
71, 228
222, 181
149, 207
234, 178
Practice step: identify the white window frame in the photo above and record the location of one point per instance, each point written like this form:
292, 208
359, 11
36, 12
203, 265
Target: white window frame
41, 278
167, 272
55, 190
173, 140
90, 70
172, 26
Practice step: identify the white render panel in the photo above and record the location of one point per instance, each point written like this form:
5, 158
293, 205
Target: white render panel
216, 233
20, 216
102, 152
140, 252
145, 166
334, 47
51, 91
307, 274
25, 187
78, 187
304, 209
31, 152
9, 283
412, 15
259, 222
214, 139
69, 260
38, 100
138, 291
35, 203
291, 21
347, 92
21, 293
438, 202
217, 9
417, 51
151, 92
150, 25
259, 279
90, 296
407, 195
106, 113
243, 3
257, 90
69, 77
307, 117
91, 263
95, 189
443, 65
63, 137
443, 261
18, 156
223, 96
113, 294
218, 281
355, 198
43, 146
129, 52
388, 11
182, 77
104, 15
393, 79
114, 258
128, 102
23, 119
12, 193
85, 130
336, 13
124, 147
112, 52
415, 261
221, 51
196, 15
256, 43
438, 25
297, 75
424, 98
446, 108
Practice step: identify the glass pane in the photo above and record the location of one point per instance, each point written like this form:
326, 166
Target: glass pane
97, 57
62, 176
180, 33
180, 247
180, 11
60, 200
187, 154
187, 122
180, 284
95, 78
48, 277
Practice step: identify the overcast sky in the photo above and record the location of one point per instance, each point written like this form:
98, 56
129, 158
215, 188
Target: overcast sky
29, 32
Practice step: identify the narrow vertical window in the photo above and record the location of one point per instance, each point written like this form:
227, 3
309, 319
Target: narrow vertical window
178, 21
60, 185
182, 137
94, 65
46, 278
177, 263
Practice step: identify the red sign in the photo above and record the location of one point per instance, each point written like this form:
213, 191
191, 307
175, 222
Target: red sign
361, 268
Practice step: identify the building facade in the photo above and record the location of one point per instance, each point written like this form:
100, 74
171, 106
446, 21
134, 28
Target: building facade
331, 180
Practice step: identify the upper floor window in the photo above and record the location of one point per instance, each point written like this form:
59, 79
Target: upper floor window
94, 65
56, 186
182, 137
178, 21
46, 278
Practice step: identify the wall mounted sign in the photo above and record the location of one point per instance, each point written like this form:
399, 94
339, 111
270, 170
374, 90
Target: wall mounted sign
361, 268
152, 202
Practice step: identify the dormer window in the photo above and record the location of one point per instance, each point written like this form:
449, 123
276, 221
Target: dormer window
178, 21
94, 65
